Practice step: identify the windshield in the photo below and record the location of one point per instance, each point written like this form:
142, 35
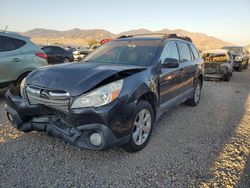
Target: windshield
135, 52
214, 57
233, 49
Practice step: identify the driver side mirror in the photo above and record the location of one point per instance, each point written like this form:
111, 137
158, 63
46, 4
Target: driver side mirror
170, 63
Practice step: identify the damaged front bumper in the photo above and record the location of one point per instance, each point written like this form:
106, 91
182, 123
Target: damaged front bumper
112, 122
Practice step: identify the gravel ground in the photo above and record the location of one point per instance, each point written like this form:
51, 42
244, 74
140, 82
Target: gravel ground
205, 146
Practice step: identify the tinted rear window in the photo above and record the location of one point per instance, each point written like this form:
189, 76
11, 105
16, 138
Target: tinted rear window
9, 43
214, 57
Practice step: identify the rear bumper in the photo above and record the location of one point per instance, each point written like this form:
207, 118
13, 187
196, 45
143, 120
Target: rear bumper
27, 118
219, 76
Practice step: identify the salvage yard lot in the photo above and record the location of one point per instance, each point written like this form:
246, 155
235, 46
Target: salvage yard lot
190, 147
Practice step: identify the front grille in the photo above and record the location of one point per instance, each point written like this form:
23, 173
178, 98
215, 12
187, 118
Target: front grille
56, 99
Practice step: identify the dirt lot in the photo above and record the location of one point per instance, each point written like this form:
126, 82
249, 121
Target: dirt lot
205, 146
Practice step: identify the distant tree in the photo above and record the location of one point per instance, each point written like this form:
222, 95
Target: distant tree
92, 42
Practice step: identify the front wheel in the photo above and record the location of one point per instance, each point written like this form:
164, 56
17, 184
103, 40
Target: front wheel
141, 128
196, 96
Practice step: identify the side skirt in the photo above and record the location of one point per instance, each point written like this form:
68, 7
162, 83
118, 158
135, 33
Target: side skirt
179, 99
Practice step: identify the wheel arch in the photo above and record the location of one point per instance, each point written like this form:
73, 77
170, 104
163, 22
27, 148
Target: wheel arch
150, 97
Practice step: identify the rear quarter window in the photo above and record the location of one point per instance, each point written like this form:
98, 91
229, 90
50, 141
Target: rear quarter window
10, 44
194, 51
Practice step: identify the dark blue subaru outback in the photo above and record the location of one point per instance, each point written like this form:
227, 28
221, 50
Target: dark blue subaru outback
114, 97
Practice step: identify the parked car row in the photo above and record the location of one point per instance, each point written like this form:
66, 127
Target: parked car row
220, 63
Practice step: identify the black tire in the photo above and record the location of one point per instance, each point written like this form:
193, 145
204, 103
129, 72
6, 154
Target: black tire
66, 60
246, 65
193, 101
240, 68
227, 77
131, 146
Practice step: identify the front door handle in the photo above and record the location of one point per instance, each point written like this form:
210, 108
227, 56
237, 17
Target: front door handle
16, 60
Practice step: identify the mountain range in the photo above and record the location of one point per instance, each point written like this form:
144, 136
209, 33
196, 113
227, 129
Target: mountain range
80, 37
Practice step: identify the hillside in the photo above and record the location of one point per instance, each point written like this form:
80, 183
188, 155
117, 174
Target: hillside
79, 37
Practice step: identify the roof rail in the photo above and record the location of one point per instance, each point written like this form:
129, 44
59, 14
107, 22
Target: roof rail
124, 36
185, 38
164, 35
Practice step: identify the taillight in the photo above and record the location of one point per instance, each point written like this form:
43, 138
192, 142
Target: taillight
42, 55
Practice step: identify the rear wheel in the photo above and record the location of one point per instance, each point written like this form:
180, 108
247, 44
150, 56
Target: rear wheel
196, 96
227, 77
246, 65
141, 128
240, 68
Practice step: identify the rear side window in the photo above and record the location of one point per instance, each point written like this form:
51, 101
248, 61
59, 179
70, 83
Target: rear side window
58, 50
9, 43
47, 50
184, 52
195, 52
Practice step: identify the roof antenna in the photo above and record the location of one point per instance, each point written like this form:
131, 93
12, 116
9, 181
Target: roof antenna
6, 28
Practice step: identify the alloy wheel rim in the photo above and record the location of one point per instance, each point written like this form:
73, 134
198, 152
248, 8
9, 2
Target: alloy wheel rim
66, 60
142, 127
197, 92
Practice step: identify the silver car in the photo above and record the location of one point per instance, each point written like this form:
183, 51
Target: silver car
18, 57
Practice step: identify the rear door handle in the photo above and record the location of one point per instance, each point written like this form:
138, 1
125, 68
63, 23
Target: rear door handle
16, 60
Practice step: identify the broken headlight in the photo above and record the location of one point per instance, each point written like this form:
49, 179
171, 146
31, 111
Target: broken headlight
100, 96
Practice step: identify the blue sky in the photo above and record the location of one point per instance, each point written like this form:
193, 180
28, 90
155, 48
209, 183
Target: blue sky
226, 19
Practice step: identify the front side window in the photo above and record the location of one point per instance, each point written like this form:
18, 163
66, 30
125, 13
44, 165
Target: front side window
170, 52
184, 52
9, 43
131, 52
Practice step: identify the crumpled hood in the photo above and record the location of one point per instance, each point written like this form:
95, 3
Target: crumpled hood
76, 78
